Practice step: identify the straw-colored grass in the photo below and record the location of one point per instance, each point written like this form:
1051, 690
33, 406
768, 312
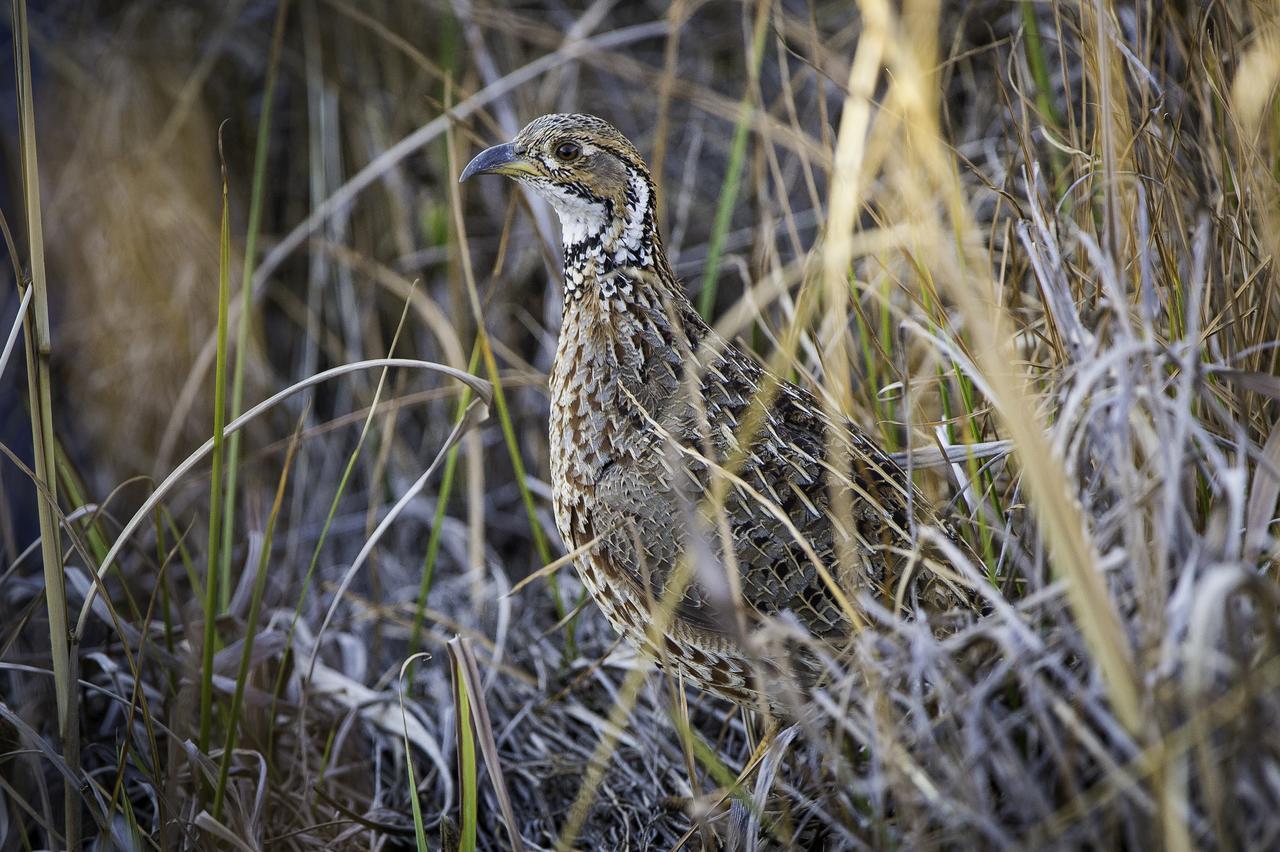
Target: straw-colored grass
1046, 230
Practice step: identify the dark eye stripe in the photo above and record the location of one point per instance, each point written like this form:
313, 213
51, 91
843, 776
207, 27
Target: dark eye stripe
582, 191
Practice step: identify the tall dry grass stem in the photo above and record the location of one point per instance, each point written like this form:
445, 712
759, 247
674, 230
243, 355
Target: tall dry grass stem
38, 341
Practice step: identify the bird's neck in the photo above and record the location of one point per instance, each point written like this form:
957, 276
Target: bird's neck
626, 325
608, 235
623, 306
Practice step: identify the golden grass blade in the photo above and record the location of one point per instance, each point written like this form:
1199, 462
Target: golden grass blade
552, 567
1057, 512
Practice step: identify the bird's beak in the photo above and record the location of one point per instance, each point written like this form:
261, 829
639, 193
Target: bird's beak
498, 160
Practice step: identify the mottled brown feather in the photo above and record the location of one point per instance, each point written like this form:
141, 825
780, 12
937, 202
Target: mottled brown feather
646, 400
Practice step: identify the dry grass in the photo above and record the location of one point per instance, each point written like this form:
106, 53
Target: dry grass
1046, 224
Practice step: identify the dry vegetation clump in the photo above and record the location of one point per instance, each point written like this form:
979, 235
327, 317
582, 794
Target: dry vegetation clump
1051, 230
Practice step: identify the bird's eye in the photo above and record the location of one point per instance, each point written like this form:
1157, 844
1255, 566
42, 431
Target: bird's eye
567, 152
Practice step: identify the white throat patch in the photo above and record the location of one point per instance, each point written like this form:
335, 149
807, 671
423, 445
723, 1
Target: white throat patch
580, 218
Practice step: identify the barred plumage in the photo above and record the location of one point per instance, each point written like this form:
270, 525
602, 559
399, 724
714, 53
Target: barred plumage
647, 401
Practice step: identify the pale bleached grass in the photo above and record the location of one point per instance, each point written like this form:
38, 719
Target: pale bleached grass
1052, 242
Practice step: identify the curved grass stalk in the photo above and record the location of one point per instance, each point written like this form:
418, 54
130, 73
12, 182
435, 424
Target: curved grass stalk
250, 630
479, 386
477, 411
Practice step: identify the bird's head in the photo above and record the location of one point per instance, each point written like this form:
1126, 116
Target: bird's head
593, 177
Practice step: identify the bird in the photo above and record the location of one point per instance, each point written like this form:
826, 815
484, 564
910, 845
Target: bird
723, 520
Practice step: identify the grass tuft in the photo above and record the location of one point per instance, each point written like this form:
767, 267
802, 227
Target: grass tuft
1045, 229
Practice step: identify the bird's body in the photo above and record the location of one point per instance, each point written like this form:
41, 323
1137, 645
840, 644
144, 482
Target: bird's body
649, 407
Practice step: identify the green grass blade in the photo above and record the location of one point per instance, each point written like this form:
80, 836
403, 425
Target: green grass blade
333, 507
467, 784
419, 829
251, 628
517, 464
1034, 49
215, 479
504, 413
733, 176
75, 491
437, 521
468, 672
246, 306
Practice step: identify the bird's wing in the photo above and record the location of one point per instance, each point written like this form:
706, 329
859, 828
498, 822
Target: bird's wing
713, 408
793, 461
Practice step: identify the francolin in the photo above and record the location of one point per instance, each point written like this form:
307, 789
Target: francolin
648, 405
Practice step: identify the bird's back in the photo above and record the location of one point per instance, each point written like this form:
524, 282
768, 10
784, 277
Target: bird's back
649, 409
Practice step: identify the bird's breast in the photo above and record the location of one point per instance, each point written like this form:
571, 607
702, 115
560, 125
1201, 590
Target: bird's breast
586, 424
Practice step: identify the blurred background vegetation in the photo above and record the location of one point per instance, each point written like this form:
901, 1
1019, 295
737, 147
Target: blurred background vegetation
1091, 183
